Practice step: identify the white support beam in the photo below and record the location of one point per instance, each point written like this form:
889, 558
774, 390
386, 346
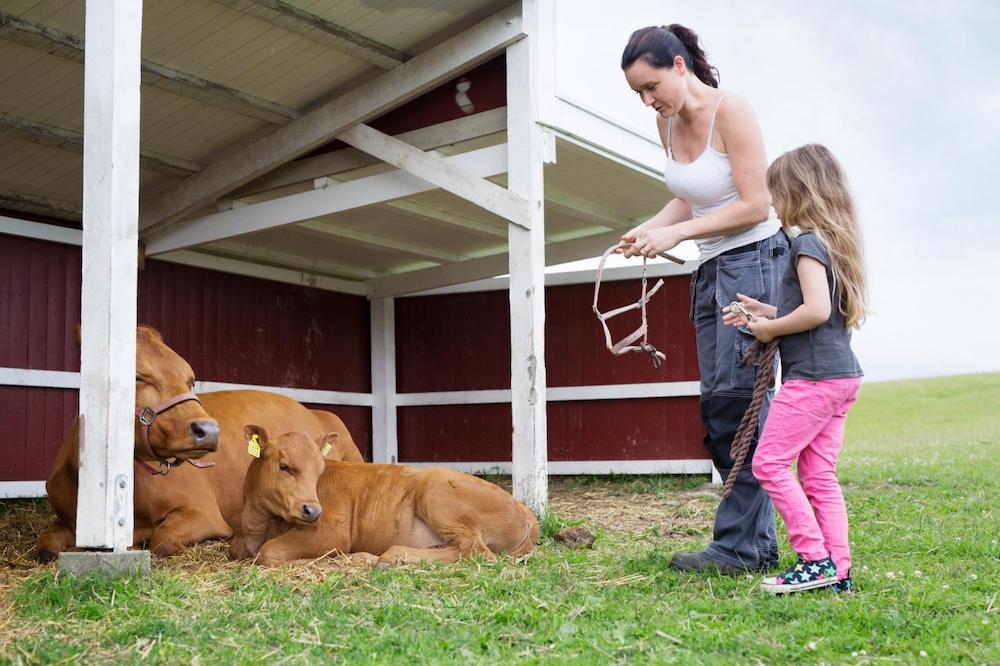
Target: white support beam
64, 139
526, 156
316, 203
367, 101
253, 268
321, 31
426, 138
489, 196
482, 227
110, 236
385, 441
286, 260
485, 267
330, 230
581, 467
70, 47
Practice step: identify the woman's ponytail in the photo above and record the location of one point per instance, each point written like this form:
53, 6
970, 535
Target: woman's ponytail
699, 63
659, 45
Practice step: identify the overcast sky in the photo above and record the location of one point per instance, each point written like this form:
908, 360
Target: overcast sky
905, 93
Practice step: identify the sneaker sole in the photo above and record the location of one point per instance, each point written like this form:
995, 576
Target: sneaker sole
797, 587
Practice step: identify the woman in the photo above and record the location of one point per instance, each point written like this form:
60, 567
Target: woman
716, 170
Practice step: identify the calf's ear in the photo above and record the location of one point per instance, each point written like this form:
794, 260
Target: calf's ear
327, 442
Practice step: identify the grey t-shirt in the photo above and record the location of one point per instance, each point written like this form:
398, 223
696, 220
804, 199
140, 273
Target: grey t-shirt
823, 352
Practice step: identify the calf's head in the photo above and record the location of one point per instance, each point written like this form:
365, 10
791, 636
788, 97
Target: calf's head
169, 422
282, 481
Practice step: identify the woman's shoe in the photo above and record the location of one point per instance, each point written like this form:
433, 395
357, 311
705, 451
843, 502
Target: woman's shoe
803, 575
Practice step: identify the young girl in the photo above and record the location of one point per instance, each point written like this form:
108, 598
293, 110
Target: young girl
822, 297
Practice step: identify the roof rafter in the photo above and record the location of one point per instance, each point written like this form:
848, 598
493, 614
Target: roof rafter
320, 30
31, 203
69, 140
328, 230
70, 47
369, 100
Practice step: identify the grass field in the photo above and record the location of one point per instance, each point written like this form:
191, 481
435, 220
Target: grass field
920, 472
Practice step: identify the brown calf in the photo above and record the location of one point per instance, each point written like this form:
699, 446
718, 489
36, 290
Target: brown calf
402, 514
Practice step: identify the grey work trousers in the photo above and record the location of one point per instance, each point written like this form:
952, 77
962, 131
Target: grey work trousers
744, 532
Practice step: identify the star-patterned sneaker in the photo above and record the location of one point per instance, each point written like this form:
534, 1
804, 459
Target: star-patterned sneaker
844, 585
803, 575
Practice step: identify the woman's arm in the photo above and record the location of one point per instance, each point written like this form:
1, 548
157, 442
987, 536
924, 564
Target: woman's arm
815, 308
744, 144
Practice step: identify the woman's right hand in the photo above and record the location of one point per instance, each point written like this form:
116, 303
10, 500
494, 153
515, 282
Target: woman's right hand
757, 310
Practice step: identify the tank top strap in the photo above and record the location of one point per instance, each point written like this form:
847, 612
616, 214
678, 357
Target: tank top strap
670, 149
711, 128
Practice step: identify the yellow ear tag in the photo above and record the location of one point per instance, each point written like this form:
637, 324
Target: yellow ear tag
253, 447
326, 449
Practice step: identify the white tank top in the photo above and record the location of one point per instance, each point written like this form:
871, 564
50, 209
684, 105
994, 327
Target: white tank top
707, 185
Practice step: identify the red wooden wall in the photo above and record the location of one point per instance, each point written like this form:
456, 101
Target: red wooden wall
230, 328
462, 342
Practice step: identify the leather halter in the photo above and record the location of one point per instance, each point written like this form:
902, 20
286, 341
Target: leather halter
625, 345
146, 416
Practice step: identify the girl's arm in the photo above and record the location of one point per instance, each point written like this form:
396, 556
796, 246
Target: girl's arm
744, 144
815, 308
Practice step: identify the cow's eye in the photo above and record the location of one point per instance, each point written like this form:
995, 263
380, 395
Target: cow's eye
284, 468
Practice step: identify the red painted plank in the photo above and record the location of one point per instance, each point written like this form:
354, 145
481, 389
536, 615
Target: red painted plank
646, 429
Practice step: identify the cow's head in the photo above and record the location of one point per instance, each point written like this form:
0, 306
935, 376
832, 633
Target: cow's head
282, 481
181, 430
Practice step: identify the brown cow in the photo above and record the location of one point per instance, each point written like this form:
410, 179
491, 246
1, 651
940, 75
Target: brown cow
402, 514
188, 504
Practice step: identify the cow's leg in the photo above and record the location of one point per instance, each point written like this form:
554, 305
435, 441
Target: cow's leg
186, 527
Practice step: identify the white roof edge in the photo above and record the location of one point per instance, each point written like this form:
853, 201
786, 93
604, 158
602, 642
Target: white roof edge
603, 136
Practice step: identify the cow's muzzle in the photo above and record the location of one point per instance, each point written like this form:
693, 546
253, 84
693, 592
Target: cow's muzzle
311, 512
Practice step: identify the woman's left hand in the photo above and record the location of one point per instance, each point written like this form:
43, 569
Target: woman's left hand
762, 329
651, 242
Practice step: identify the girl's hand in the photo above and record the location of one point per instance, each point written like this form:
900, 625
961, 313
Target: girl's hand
651, 242
758, 310
762, 329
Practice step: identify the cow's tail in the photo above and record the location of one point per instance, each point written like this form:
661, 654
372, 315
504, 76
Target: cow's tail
531, 533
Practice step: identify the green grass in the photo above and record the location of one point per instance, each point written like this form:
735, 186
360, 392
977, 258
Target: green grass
920, 472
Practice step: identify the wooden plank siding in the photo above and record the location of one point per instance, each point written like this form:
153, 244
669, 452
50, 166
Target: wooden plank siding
230, 328
244, 330
459, 342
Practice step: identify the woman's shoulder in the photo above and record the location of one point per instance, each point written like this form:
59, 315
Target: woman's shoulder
733, 107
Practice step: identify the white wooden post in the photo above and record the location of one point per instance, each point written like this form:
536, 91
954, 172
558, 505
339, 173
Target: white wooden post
525, 159
385, 444
110, 236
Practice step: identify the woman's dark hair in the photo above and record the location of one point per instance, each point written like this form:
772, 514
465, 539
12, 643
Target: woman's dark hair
659, 45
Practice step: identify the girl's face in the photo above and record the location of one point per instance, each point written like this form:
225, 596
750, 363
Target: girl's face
661, 88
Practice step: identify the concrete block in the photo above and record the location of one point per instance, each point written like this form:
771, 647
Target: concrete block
105, 563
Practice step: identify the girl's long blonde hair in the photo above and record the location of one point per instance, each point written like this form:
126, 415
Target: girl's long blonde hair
810, 191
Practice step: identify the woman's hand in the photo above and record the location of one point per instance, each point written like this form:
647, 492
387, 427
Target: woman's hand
757, 310
650, 242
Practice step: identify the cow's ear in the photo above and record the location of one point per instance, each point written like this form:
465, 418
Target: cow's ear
327, 442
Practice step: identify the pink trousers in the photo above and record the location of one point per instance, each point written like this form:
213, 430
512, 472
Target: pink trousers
806, 423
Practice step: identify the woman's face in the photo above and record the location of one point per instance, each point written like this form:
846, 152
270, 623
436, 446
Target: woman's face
661, 88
